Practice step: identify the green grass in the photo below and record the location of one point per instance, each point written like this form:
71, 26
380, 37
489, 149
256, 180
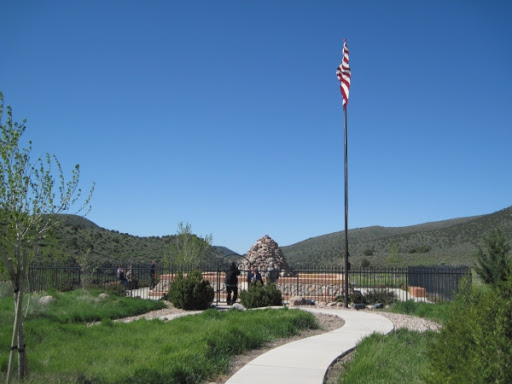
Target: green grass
63, 349
399, 357
435, 312
81, 306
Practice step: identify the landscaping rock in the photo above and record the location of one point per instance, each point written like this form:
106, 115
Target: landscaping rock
239, 307
103, 296
45, 300
296, 300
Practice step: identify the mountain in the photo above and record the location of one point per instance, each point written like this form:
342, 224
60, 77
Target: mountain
448, 242
75, 237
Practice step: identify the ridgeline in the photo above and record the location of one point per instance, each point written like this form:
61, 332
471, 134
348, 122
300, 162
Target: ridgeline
448, 242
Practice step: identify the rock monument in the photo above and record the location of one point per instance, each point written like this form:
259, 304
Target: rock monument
268, 257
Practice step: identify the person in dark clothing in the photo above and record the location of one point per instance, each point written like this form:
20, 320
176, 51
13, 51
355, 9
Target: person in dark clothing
254, 276
232, 283
152, 274
121, 276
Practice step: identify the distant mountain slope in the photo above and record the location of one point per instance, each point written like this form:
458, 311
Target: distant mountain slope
77, 236
450, 242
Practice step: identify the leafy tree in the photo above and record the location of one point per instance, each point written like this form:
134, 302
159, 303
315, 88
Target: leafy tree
494, 266
31, 194
189, 249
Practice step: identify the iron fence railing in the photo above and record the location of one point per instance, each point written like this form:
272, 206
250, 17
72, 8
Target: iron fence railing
431, 284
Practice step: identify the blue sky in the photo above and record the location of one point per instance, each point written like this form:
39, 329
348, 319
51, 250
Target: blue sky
227, 114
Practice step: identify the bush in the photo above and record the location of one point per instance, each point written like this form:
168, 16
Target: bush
380, 296
191, 292
355, 297
371, 297
474, 344
259, 295
365, 263
494, 266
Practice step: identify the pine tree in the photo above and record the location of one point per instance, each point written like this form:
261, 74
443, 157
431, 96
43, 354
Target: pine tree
494, 264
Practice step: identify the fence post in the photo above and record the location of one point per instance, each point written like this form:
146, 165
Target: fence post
407, 285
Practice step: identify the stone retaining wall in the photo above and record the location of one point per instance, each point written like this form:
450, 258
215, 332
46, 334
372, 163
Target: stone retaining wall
324, 287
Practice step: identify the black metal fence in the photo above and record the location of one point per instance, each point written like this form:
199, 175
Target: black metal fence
438, 280
430, 284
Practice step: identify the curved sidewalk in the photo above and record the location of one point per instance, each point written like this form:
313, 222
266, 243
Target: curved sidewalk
307, 360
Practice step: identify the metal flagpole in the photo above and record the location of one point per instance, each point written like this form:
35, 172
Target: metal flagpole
344, 75
346, 210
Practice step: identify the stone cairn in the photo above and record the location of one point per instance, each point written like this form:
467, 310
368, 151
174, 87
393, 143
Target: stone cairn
268, 257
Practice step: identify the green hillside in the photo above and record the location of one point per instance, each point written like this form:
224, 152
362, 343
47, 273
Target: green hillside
76, 237
449, 242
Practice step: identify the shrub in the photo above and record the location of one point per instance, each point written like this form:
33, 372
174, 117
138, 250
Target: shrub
380, 296
365, 263
474, 343
259, 295
371, 297
494, 265
424, 248
355, 297
191, 292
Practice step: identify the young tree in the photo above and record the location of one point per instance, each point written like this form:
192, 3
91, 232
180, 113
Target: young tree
31, 194
494, 266
189, 249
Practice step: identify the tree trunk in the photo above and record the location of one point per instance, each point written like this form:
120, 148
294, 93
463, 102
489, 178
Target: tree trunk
18, 339
22, 355
18, 304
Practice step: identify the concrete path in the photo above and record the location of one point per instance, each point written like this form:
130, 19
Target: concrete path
306, 361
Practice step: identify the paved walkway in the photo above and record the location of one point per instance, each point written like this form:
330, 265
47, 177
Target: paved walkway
307, 360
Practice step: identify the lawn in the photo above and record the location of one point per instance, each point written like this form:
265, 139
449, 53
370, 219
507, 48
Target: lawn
63, 348
399, 357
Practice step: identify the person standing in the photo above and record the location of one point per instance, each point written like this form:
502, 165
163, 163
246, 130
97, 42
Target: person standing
152, 274
254, 276
121, 276
231, 282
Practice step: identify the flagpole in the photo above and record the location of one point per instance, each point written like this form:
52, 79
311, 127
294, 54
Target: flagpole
344, 75
346, 210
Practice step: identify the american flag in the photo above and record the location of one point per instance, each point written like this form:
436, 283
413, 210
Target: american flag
343, 74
